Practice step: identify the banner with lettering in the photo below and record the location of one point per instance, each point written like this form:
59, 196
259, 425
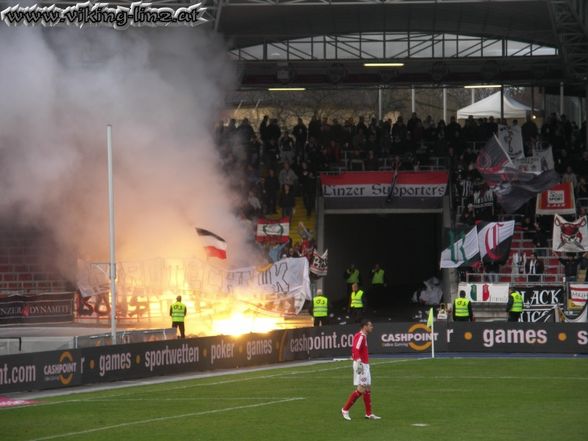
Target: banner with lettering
36, 308
280, 287
378, 184
463, 249
494, 240
539, 295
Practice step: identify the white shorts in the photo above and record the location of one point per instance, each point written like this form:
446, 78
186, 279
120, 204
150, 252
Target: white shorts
363, 379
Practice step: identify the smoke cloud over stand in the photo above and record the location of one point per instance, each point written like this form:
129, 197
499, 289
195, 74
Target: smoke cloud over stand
162, 90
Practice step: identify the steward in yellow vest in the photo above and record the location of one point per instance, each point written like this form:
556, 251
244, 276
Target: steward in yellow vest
356, 302
177, 312
462, 309
320, 308
377, 293
514, 307
352, 276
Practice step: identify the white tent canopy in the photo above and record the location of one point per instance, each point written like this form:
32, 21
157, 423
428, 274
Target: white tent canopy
490, 106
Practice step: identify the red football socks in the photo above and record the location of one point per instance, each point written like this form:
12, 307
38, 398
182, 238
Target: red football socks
367, 400
352, 399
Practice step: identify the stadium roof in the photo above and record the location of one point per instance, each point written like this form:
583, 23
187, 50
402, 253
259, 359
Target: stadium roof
345, 27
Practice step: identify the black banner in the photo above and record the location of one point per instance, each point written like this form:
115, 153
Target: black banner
176, 356
538, 300
46, 370
36, 308
511, 337
542, 295
336, 341
538, 314
396, 338
320, 342
40, 370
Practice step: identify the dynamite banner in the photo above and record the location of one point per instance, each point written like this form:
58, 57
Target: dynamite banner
36, 308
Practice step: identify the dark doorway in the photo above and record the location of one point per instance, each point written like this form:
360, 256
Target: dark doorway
407, 246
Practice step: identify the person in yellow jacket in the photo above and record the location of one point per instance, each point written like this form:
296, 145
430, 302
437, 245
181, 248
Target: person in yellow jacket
352, 276
514, 307
462, 309
377, 291
356, 302
320, 308
177, 312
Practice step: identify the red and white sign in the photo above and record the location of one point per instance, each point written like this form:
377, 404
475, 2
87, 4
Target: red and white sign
486, 292
578, 294
559, 199
378, 184
273, 231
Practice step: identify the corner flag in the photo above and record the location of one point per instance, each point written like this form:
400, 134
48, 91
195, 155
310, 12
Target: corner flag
430, 319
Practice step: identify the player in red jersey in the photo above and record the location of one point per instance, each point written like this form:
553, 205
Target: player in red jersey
361, 372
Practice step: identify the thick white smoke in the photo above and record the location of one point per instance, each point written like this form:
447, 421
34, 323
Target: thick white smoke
162, 91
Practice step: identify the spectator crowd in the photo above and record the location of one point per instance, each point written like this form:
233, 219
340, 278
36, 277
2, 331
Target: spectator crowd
271, 164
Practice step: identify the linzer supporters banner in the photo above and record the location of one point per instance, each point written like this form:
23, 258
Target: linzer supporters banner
378, 184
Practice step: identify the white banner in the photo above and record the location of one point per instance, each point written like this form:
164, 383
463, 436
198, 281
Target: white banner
281, 287
461, 250
531, 164
570, 237
545, 157
486, 292
92, 279
511, 139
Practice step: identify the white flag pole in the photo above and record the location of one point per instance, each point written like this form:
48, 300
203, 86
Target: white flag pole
433, 338
111, 236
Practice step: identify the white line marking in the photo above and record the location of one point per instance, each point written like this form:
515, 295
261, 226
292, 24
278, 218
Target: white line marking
420, 425
261, 377
216, 383
471, 377
171, 417
118, 400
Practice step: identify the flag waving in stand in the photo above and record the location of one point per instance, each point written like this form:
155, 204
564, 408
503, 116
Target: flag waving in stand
214, 245
513, 187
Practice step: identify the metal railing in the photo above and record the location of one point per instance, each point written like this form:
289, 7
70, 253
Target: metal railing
521, 279
123, 337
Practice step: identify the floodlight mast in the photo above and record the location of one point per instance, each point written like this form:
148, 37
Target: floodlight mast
112, 266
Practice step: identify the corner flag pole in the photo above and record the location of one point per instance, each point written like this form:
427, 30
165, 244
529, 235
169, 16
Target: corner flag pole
111, 236
431, 324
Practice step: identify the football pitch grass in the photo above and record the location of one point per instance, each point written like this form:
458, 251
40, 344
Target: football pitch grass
418, 399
